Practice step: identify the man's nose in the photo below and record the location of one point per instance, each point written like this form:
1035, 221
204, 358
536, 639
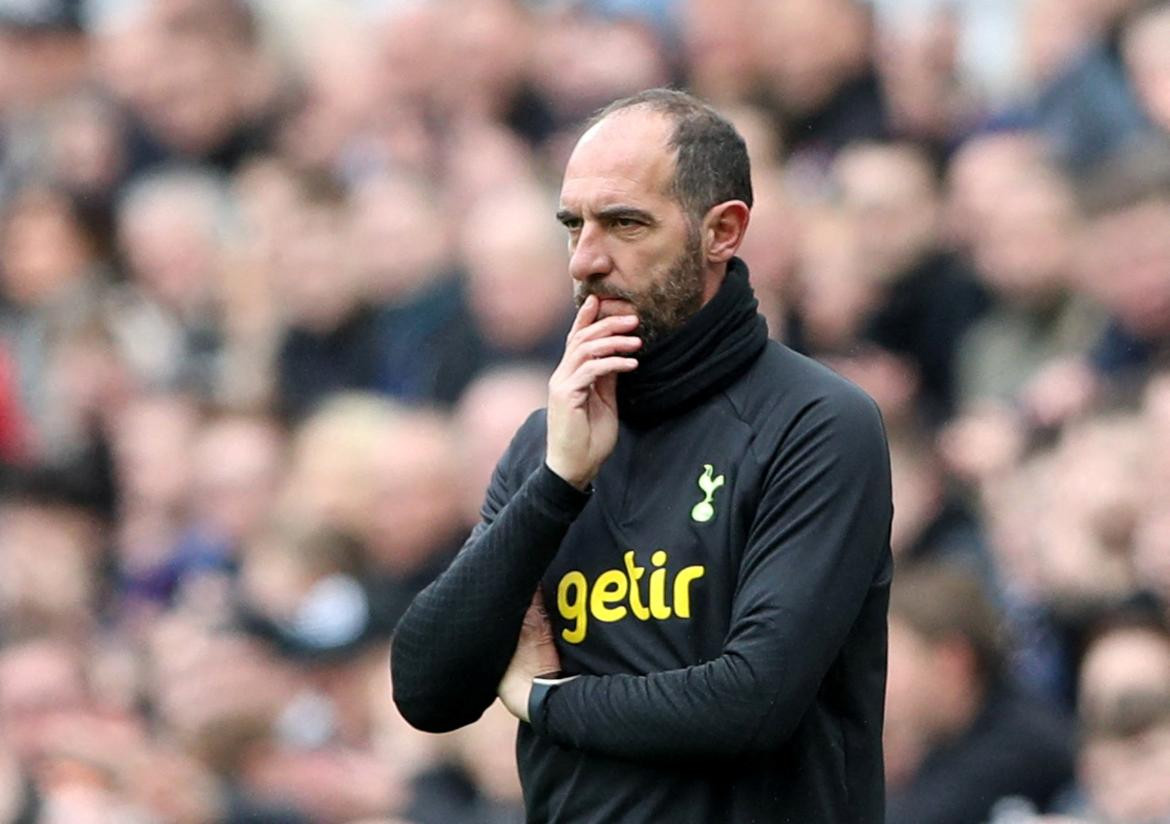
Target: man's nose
590, 258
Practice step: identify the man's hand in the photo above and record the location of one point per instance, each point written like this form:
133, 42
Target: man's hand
582, 393
536, 654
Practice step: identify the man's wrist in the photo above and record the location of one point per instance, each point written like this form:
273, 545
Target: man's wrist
515, 693
577, 481
538, 694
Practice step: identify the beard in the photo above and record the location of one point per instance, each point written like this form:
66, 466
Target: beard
668, 302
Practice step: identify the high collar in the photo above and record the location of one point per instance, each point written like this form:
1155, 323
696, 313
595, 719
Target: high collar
702, 357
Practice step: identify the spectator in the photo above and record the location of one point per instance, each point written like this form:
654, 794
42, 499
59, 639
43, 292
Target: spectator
1084, 105
836, 296
236, 464
929, 298
771, 249
173, 230
489, 413
917, 59
218, 694
49, 286
1125, 265
815, 63
580, 62
405, 263
331, 471
1025, 257
519, 304
193, 75
932, 522
412, 526
152, 441
981, 169
958, 737
1125, 712
331, 342
86, 155
1144, 41
713, 34
43, 682
44, 56
50, 559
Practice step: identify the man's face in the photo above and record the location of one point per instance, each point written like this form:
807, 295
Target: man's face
630, 242
1148, 61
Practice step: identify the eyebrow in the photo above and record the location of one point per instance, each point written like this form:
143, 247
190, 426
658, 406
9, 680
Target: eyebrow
610, 213
623, 211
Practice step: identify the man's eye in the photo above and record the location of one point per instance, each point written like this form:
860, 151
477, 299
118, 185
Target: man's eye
626, 222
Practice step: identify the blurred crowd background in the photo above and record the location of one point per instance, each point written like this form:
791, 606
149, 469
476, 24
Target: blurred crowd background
279, 279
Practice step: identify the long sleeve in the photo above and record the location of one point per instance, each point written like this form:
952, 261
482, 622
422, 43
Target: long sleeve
819, 538
455, 641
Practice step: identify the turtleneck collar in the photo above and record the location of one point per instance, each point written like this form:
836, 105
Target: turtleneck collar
704, 356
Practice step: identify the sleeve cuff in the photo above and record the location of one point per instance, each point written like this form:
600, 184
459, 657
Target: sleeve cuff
542, 688
558, 496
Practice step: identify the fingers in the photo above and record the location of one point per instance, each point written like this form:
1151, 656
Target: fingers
586, 314
585, 375
609, 336
587, 327
603, 347
613, 325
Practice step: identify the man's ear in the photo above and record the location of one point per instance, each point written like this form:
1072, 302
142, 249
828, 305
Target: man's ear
723, 229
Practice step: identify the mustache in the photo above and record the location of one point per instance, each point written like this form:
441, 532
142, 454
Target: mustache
602, 290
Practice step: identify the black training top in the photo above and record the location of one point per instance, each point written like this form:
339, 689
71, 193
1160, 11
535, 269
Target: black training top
721, 592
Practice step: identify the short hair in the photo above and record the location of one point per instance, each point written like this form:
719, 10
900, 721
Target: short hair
1133, 710
940, 601
711, 159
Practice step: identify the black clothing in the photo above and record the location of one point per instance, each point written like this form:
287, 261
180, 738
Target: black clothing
149, 150
447, 795
705, 356
923, 316
1119, 353
854, 113
423, 354
721, 590
954, 535
243, 809
431, 346
311, 365
1015, 748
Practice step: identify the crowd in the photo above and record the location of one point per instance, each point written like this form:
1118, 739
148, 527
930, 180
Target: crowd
280, 278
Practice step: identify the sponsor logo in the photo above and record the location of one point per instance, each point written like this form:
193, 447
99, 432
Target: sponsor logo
617, 594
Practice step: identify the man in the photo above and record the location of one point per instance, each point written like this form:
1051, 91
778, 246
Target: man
706, 514
1124, 709
960, 737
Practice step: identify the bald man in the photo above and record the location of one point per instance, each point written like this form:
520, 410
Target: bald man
705, 514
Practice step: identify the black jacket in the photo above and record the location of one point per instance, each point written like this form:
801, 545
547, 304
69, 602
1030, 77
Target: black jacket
722, 592
1015, 748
